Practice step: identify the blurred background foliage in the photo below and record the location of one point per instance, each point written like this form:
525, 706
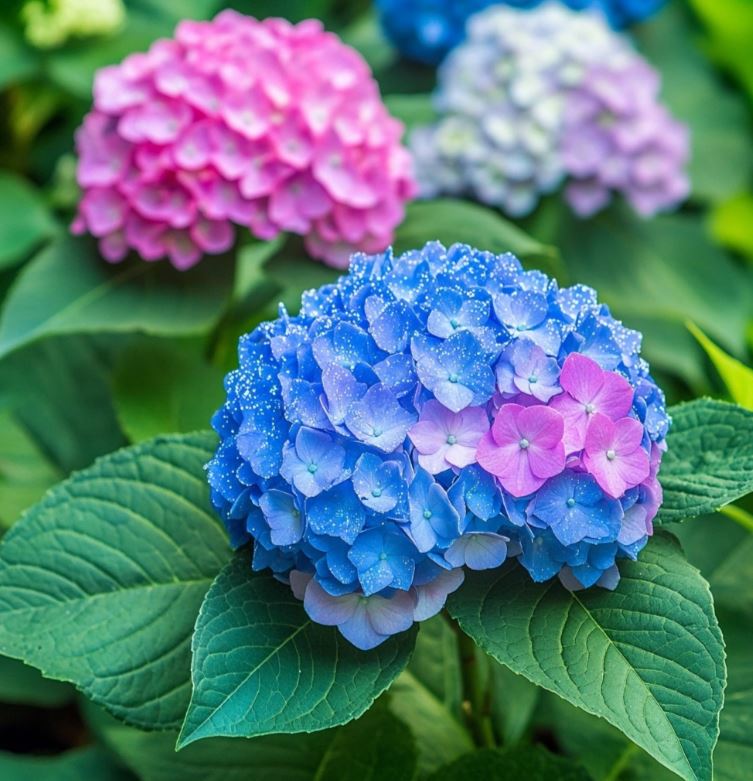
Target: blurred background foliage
93, 357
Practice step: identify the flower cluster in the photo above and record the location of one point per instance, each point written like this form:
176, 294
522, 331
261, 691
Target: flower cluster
264, 124
534, 97
426, 30
434, 411
50, 23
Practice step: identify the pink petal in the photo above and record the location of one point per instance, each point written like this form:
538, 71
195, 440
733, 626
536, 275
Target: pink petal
605, 472
460, 455
628, 435
581, 377
633, 468
213, 236
548, 462
194, 149
426, 435
615, 397
576, 421
543, 426
493, 458
600, 434
505, 427
436, 462
182, 251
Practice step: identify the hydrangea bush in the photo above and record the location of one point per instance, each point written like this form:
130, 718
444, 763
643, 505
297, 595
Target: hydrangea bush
425, 30
535, 98
430, 412
264, 124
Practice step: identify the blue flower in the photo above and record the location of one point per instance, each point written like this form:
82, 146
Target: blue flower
317, 464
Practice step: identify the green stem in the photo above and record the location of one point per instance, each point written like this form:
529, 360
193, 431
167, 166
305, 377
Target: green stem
737, 514
476, 699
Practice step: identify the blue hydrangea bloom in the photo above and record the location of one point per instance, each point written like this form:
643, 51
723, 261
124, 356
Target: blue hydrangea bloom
425, 30
352, 432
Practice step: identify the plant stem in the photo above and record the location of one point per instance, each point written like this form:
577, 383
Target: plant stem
737, 514
476, 699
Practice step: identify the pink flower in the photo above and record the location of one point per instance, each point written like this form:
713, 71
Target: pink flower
446, 439
524, 447
613, 454
588, 390
264, 124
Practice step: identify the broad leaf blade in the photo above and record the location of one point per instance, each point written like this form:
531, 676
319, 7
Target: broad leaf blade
101, 582
261, 666
68, 288
648, 657
709, 459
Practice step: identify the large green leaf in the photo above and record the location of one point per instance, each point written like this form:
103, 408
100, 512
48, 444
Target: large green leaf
101, 582
25, 474
164, 386
261, 666
75, 423
721, 162
377, 747
24, 218
68, 288
709, 459
656, 274
92, 764
648, 657
532, 763
426, 696
454, 221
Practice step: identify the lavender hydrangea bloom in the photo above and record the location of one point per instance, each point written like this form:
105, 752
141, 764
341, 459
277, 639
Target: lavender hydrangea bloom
425, 30
535, 98
430, 413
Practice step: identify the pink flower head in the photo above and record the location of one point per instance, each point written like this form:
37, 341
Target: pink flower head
446, 439
613, 454
588, 390
524, 447
263, 124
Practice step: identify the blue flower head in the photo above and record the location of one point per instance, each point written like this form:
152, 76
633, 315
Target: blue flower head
366, 442
425, 30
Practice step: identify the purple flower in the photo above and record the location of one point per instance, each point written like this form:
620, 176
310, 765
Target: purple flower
588, 390
433, 595
379, 420
365, 621
314, 463
525, 368
613, 454
524, 447
446, 439
379, 484
282, 516
526, 313
478, 550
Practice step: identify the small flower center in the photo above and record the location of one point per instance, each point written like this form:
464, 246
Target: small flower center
611, 455
520, 327
570, 502
533, 379
590, 409
427, 514
377, 432
376, 492
524, 444
452, 439
312, 468
382, 555
454, 323
453, 377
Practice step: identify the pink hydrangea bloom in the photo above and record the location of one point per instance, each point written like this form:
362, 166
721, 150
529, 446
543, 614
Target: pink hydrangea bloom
588, 390
263, 124
524, 447
447, 439
613, 454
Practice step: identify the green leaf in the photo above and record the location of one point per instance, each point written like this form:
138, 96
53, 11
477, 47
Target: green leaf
731, 221
655, 275
412, 110
532, 763
709, 458
68, 288
92, 764
25, 474
733, 757
514, 700
648, 657
23, 685
24, 219
76, 423
101, 582
453, 221
721, 160
165, 386
737, 377
261, 666
426, 696
17, 61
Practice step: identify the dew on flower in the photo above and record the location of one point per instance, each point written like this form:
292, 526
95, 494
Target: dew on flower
434, 412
